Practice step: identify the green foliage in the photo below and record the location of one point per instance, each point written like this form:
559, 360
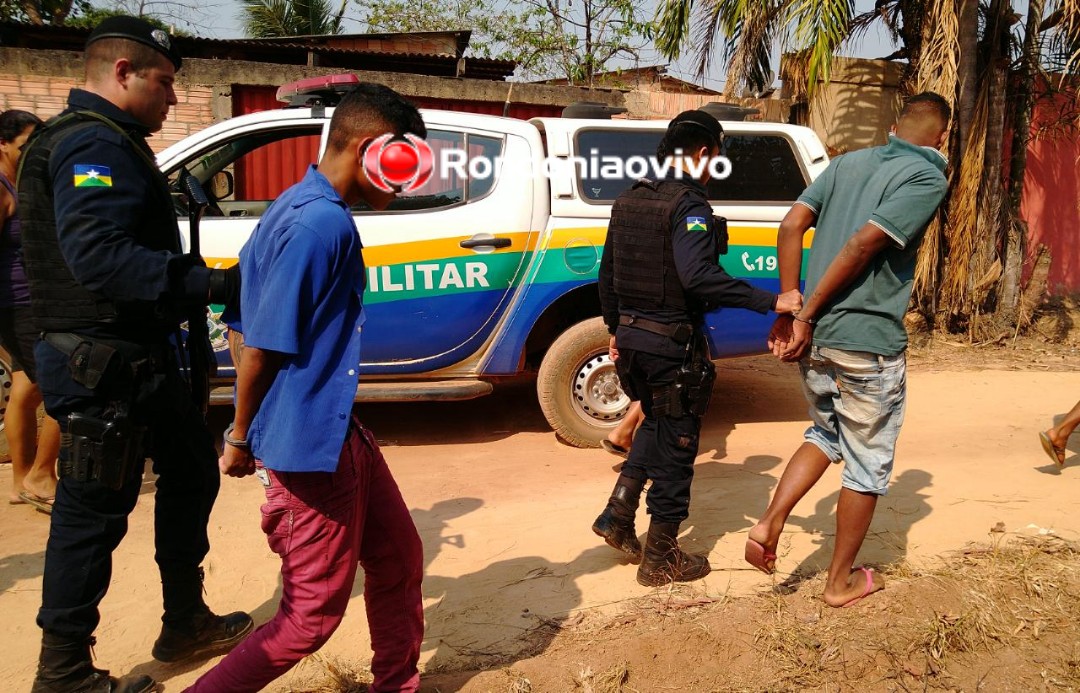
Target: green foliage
573, 39
41, 11
277, 18
89, 17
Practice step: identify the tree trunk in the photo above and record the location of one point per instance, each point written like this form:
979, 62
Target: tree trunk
967, 71
30, 7
1016, 234
986, 262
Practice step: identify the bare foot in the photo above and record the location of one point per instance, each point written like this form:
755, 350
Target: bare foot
42, 488
861, 583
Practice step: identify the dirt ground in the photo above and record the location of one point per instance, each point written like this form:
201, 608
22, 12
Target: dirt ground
520, 596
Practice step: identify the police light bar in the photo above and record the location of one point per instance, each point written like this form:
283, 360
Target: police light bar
326, 91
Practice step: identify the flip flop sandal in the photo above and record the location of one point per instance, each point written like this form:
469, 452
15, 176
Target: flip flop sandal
1052, 451
758, 556
869, 573
41, 503
614, 449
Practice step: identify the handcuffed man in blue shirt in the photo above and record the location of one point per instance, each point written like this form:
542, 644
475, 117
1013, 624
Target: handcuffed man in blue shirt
330, 499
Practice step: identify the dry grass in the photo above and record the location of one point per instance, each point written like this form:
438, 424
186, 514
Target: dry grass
610, 681
331, 675
985, 599
1004, 614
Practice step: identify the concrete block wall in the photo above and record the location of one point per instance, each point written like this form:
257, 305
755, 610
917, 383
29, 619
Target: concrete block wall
46, 95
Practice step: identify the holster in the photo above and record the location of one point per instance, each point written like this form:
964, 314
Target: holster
692, 389
697, 386
104, 450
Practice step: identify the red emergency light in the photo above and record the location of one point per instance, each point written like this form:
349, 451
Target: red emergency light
326, 90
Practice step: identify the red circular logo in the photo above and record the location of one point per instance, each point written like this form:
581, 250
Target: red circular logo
395, 165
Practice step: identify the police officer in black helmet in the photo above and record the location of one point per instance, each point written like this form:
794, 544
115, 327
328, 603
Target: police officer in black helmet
108, 286
658, 275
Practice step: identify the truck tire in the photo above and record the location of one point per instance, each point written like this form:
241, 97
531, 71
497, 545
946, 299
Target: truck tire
578, 388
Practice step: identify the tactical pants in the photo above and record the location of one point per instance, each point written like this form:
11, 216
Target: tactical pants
665, 447
89, 519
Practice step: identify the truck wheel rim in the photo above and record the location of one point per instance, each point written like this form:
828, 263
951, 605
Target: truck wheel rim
597, 395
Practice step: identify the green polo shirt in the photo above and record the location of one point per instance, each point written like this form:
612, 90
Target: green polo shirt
896, 187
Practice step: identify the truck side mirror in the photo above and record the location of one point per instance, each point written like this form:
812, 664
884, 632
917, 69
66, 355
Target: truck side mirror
221, 186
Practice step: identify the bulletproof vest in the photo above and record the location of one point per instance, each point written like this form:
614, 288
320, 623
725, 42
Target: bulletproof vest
645, 275
58, 301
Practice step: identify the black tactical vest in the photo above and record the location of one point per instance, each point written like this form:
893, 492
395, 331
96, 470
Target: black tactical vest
58, 302
645, 275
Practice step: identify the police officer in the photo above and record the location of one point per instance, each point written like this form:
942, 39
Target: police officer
658, 275
108, 286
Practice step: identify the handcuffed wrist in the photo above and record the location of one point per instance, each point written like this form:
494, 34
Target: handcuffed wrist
808, 321
239, 443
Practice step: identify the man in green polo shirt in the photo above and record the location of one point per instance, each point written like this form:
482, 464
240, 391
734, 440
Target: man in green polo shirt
870, 209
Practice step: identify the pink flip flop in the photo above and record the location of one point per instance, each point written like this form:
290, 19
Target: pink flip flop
758, 556
869, 573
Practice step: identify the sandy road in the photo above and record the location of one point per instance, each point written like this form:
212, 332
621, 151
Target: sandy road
504, 510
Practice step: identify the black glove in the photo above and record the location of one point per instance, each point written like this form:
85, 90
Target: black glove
225, 286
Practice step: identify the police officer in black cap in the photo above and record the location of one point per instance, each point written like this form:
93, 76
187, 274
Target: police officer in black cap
658, 275
109, 285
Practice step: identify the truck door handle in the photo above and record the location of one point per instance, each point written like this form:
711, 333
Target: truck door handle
485, 240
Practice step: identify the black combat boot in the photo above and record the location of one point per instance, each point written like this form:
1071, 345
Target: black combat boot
664, 562
189, 630
616, 523
65, 667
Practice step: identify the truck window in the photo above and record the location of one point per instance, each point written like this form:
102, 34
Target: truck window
261, 164
764, 167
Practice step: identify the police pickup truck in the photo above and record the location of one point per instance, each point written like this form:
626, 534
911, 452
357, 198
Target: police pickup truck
488, 272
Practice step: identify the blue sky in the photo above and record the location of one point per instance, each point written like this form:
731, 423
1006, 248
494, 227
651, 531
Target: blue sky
221, 19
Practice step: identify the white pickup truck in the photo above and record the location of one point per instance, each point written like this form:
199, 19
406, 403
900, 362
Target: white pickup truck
476, 279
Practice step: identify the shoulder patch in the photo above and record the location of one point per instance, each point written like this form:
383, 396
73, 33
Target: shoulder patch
697, 224
92, 176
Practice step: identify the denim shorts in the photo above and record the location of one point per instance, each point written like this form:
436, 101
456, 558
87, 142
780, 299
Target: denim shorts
857, 407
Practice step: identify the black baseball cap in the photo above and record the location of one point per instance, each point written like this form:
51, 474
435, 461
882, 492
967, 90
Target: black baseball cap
139, 30
703, 120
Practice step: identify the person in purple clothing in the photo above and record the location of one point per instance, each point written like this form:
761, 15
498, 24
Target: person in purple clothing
33, 458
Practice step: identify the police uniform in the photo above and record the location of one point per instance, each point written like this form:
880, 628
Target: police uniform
109, 286
659, 274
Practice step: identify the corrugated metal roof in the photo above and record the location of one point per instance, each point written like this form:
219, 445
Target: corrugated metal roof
291, 51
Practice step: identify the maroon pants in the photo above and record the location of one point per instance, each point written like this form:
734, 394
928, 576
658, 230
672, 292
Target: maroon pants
322, 524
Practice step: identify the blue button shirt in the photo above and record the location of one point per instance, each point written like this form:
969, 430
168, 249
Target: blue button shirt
302, 296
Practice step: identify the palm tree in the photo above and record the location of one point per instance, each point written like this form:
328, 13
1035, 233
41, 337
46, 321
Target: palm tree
277, 18
969, 266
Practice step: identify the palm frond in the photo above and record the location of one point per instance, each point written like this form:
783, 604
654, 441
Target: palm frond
715, 19
820, 27
750, 56
673, 26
